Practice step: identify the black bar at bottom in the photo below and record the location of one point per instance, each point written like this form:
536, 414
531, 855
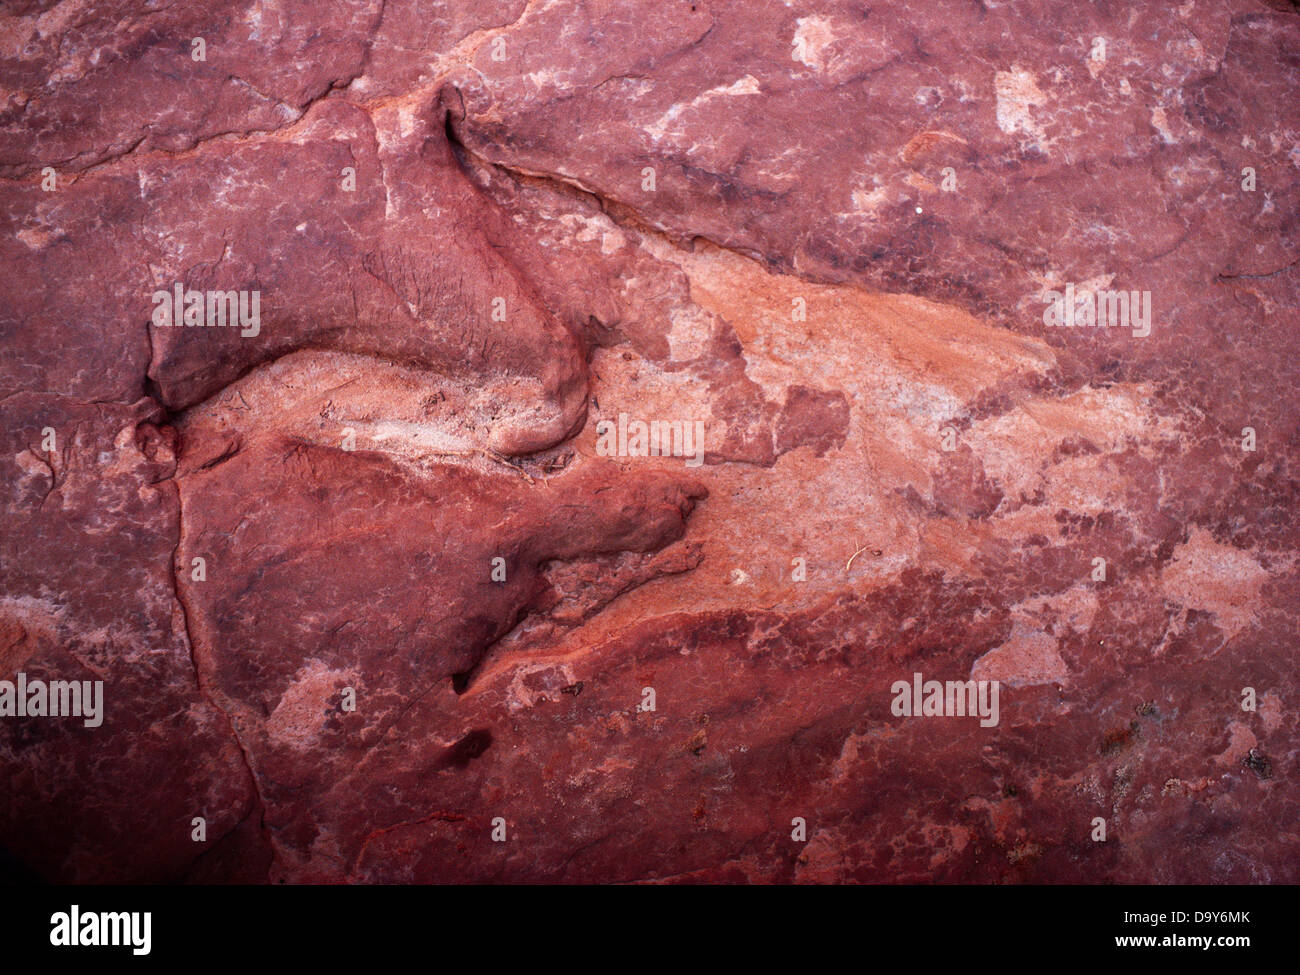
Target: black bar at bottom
209, 925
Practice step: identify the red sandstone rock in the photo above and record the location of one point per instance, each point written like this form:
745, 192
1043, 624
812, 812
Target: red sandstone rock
480, 231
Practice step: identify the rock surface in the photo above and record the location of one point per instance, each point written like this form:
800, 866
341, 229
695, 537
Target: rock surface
379, 585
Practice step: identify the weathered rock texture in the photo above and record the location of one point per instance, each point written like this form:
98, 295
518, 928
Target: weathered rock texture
365, 588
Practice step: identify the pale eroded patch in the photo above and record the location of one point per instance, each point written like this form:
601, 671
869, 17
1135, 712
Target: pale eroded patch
812, 36
1216, 578
1029, 656
1017, 93
300, 715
